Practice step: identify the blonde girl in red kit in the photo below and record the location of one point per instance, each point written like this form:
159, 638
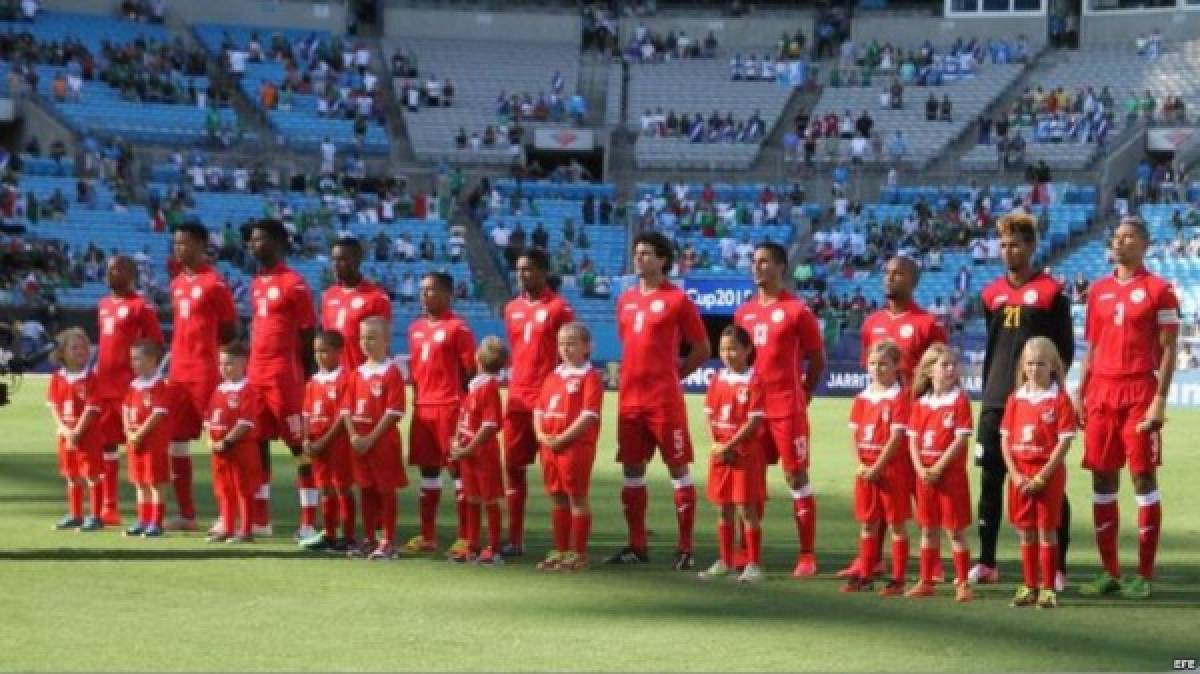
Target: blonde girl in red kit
737, 467
879, 424
938, 429
1039, 423
80, 449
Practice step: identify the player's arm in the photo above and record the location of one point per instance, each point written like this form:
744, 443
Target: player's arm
895, 441
236, 434
307, 360
815, 370
957, 447
322, 442
1056, 459
1062, 330
487, 431
1168, 344
156, 417
90, 413
699, 350
1085, 373
539, 432
389, 420
736, 444
60, 428
914, 452
593, 400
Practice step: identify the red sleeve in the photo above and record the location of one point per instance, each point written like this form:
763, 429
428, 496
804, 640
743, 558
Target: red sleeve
492, 411
345, 389
223, 303
1168, 308
593, 393
54, 394
1010, 416
902, 412
1065, 414
395, 390
1089, 322
810, 333
251, 406
962, 413
690, 321
466, 347
856, 413
302, 305
543, 394
567, 315
347, 402
916, 420
709, 405
310, 391
937, 332
149, 320
864, 337
383, 306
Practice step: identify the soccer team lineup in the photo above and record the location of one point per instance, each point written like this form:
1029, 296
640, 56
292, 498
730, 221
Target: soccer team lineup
317, 375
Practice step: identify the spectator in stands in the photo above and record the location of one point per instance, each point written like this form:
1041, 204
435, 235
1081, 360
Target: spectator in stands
931, 108
427, 250
897, 147
404, 248
540, 237
946, 109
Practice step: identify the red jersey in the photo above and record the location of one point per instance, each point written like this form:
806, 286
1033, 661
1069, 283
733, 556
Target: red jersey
145, 397
121, 321
1034, 422
532, 327
70, 395
281, 308
935, 421
784, 332
481, 409
732, 400
442, 357
874, 417
567, 394
1123, 322
200, 304
651, 326
233, 404
913, 330
344, 308
376, 390
325, 398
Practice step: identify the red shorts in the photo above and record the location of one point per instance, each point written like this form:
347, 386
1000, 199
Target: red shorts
83, 462
430, 435
520, 442
569, 471
109, 427
482, 476
193, 404
945, 504
382, 466
149, 465
282, 398
737, 484
641, 430
786, 439
888, 499
1042, 510
1114, 408
332, 468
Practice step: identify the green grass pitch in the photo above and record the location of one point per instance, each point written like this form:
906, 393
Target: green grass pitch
99, 602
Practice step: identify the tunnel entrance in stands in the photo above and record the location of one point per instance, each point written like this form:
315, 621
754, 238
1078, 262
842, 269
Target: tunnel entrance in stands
592, 161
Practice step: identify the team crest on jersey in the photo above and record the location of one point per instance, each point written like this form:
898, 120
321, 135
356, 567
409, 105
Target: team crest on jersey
273, 293
147, 401
439, 336
743, 394
887, 413
1049, 417
540, 316
178, 292
1031, 296
906, 331
1137, 296
122, 312
778, 315
232, 402
331, 394
357, 303
948, 422
657, 306
572, 386
196, 292
376, 388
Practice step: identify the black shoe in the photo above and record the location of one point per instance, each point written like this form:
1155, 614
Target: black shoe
628, 555
683, 561
512, 550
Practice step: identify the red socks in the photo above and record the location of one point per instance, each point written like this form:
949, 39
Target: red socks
346, 512
330, 510
1029, 564
685, 510
112, 484
962, 563
753, 540
1106, 517
460, 506
181, 480
1149, 527
725, 531
262, 504
96, 497
370, 513
560, 526
75, 500
804, 508
1049, 559
929, 557
516, 495
387, 515
473, 512
495, 521
866, 555
431, 494
633, 499
899, 559
310, 498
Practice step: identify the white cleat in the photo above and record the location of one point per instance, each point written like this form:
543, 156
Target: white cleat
262, 530
717, 570
751, 574
304, 533
982, 574
1060, 581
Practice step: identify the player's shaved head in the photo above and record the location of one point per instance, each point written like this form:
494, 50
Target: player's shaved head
121, 274
194, 230
777, 252
900, 277
346, 256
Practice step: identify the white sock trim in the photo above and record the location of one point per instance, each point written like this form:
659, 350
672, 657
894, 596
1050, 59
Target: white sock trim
309, 498
180, 450
1150, 499
457, 484
263, 493
635, 482
802, 492
1103, 499
112, 456
431, 483
685, 481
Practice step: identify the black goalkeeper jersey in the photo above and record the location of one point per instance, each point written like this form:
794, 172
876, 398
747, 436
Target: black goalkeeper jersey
1014, 314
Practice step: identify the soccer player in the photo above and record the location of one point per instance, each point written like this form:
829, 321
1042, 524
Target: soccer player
231, 420
1039, 423
912, 329
351, 299
882, 489
123, 318
938, 428
80, 456
442, 362
147, 435
789, 357
1023, 304
476, 449
653, 320
737, 468
281, 330
204, 317
376, 405
566, 419
327, 444
532, 320
1132, 327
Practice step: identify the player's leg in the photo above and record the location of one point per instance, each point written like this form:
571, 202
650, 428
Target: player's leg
956, 511
142, 512
1047, 537
727, 516
1145, 486
74, 517
930, 551
993, 471
869, 531
635, 446
791, 438
1027, 539
685, 515
560, 519
188, 427
895, 587
1104, 455
293, 436
424, 454
748, 515
669, 428
111, 432
581, 529
962, 561
243, 479
520, 449
262, 495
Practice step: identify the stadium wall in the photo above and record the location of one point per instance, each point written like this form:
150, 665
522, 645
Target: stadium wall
1123, 26
329, 16
401, 22
911, 30
756, 34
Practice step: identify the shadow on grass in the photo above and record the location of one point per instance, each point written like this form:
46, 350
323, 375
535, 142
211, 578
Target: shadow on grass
216, 551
